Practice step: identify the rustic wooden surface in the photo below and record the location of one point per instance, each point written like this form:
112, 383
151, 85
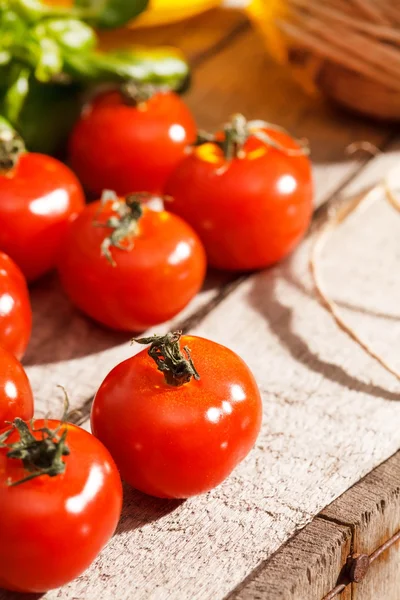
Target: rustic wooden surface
372, 510
306, 568
330, 412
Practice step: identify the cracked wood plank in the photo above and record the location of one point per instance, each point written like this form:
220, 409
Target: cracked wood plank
306, 568
372, 510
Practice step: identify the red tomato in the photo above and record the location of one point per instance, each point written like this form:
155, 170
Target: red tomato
52, 528
159, 269
178, 439
37, 200
250, 211
15, 308
15, 391
130, 148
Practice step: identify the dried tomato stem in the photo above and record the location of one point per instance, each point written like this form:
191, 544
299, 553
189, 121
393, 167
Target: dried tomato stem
238, 130
165, 350
134, 94
320, 241
39, 456
11, 148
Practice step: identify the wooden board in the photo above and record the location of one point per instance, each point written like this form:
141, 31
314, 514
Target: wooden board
329, 410
372, 510
276, 324
306, 568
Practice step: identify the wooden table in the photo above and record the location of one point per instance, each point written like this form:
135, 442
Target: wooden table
331, 414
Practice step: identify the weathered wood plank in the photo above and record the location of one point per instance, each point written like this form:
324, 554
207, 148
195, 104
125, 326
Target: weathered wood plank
372, 509
330, 416
313, 378
197, 37
306, 568
242, 78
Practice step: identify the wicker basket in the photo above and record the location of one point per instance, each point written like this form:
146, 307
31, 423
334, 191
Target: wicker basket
347, 49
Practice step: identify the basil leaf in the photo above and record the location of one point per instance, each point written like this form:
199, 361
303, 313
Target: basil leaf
110, 13
164, 67
17, 92
70, 34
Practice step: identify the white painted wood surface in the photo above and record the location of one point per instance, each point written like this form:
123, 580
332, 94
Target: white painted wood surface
330, 416
330, 413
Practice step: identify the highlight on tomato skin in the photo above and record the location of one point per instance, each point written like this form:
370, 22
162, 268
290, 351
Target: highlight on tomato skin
16, 399
39, 196
59, 507
131, 141
130, 267
248, 193
179, 417
15, 308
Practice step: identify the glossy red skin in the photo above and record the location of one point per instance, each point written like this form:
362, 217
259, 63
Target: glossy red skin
51, 529
176, 442
16, 398
144, 288
130, 149
15, 308
37, 201
244, 220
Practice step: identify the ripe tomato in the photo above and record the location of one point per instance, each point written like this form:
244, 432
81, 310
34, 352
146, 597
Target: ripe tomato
156, 266
16, 398
38, 197
180, 430
15, 308
130, 148
55, 523
249, 200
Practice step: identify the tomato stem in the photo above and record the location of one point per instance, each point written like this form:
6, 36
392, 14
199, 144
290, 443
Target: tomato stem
11, 148
124, 223
134, 94
165, 350
238, 130
39, 456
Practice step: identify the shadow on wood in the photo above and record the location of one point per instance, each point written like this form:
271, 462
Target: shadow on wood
264, 286
140, 509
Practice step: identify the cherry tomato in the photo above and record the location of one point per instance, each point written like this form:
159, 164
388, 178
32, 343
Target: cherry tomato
155, 264
38, 197
178, 430
15, 308
127, 148
250, 205
53, 525
16, 398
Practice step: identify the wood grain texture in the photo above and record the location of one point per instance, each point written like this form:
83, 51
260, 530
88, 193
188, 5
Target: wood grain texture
330, 416
329, 411
306, 568
242, 78
372, 510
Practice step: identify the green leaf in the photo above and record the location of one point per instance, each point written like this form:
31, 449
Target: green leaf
70, 34
110, 13
50, 61
16, 93
164, 67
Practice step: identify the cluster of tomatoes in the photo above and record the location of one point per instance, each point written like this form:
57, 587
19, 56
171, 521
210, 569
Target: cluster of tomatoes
175, 419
